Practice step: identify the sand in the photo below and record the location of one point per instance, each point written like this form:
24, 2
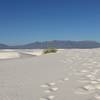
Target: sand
72, 74
10, 54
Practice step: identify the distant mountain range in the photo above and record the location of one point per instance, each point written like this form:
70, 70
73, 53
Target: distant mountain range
55, 44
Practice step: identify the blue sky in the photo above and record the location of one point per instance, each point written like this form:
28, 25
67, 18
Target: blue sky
24, 21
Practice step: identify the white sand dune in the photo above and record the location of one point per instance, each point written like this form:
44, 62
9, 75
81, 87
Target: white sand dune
72, 74
7, 50
7, 55
37, 52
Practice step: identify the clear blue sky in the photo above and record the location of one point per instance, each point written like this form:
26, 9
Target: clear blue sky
24, 21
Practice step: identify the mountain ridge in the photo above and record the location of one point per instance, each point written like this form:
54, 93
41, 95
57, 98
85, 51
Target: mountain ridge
55, 44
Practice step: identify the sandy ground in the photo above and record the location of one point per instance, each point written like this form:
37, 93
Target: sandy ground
10, 54
67, 75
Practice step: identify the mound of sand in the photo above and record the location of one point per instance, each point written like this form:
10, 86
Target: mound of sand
7, 55
35, 52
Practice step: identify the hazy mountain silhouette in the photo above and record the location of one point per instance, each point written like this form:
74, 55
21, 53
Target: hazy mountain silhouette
3, 46
55, 44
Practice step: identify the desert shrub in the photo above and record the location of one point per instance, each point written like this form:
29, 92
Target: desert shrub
50, 50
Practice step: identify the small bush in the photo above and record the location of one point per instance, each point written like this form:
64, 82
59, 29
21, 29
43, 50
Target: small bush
50, 50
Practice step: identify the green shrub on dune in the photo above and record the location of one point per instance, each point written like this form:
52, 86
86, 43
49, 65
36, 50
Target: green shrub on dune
50, 50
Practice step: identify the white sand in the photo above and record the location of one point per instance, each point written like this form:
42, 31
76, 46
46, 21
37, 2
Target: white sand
35, 52
7, 55
67, 75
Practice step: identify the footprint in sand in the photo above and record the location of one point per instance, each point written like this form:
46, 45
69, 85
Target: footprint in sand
86, 89
54, 89
91, 77
51, 97
51, 89
95, 97
51, 84
94, 82
47, 85
63, 80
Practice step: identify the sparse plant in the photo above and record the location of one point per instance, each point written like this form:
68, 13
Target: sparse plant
50, 50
